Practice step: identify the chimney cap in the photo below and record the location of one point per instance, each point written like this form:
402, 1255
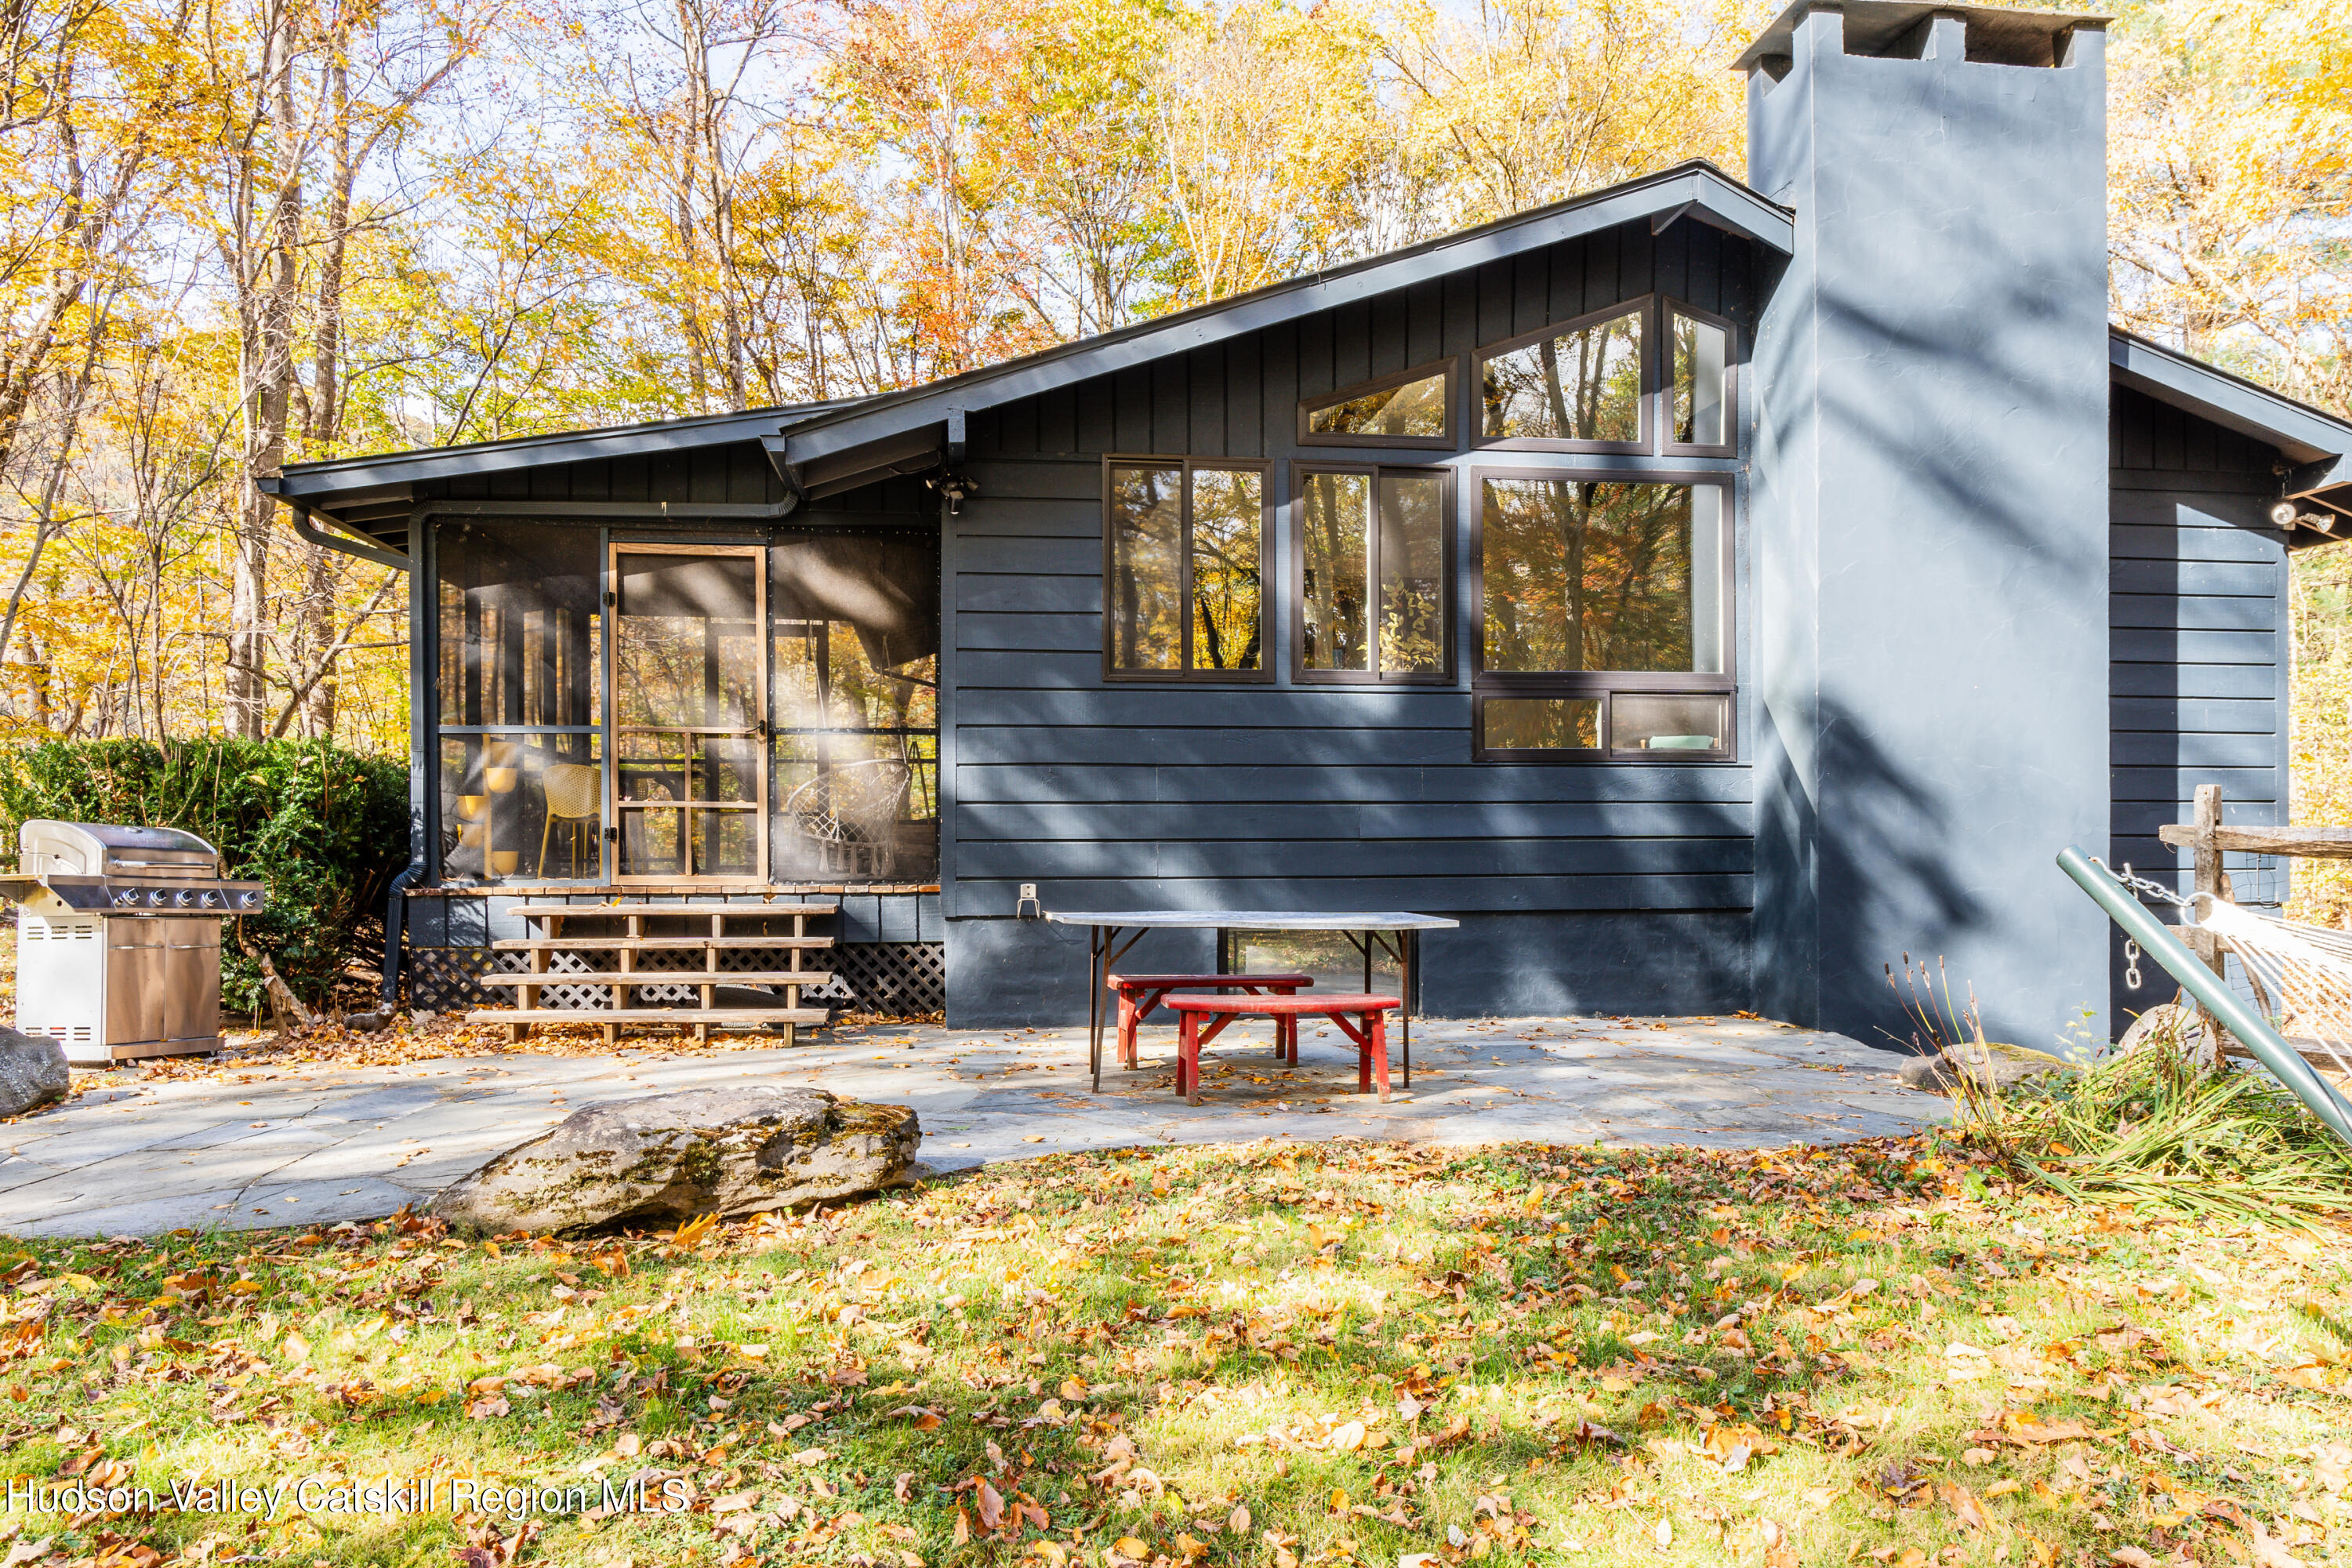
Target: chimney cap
1872, 25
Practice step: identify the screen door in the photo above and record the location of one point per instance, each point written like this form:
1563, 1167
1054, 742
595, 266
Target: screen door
689, 704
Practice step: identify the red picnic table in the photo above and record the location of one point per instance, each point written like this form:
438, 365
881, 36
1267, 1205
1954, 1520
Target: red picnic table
1205, 1018
1388, 932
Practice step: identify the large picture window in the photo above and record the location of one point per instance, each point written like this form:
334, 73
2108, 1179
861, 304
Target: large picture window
1372, 548
1183, 569
1603, 616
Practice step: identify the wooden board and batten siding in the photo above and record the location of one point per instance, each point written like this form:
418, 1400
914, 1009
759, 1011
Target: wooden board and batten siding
2198, 616
1581, 886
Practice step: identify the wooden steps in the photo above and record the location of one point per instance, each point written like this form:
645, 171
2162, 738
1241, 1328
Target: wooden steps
669, 911
652, 943
666, 977
559, 924
680, 1015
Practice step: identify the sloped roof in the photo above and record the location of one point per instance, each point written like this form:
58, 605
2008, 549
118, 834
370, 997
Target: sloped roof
827, 446
2317, 442
1697, 190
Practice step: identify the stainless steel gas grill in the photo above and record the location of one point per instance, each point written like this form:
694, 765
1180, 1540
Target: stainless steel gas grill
118, 939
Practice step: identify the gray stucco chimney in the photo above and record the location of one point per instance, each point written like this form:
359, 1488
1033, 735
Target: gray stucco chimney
1929, 512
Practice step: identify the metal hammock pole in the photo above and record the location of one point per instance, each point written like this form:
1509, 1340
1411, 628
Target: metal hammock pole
2158, 943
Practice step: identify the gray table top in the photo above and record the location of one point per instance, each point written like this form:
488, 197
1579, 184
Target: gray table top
1258, 920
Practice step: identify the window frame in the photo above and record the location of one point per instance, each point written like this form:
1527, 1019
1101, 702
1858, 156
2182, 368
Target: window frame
1450, 368
1668, 307
1601, 683
1646, 442
1184, 674
1295, 546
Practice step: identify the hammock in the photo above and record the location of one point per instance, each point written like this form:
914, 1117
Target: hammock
2304, 962
2301, 973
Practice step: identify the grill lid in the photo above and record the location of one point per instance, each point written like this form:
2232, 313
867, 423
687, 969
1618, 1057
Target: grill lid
97, 849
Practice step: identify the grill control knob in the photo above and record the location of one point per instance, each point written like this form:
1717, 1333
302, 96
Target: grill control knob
208, 897
182, 897
123, 896
155, 897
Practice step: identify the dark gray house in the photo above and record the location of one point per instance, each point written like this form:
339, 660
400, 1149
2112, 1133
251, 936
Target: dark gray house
1707, 592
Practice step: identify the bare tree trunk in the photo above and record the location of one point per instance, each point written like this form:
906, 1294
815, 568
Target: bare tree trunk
268, 354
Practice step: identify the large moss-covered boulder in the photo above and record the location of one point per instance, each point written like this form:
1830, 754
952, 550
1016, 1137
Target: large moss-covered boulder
672, 1156
1988, 1064
33, 1072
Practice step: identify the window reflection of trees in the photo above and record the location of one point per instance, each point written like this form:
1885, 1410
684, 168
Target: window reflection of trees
1580, 386
1146, 590
1416, 409
1585, 575
1412, 574
1333, 527
1228, 516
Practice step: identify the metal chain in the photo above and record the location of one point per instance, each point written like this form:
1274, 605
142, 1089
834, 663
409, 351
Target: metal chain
2142, 886
2146, 889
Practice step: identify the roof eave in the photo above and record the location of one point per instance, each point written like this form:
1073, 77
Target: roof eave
1697, 191
340, 474
2301, 433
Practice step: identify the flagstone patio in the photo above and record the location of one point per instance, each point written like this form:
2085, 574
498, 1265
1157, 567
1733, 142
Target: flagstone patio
319, 1143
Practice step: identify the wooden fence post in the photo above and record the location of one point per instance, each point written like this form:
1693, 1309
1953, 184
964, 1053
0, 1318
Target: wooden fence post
2209, 877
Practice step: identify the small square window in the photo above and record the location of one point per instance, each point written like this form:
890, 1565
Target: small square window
1578, 387
1411, 408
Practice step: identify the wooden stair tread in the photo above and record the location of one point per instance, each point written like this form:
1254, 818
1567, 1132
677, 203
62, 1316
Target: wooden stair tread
680, 1014
673, 911
664, 977
644, 944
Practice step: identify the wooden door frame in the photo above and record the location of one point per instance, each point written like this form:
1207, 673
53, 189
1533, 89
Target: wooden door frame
756, 730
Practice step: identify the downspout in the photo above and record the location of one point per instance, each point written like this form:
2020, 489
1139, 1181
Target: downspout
395, 901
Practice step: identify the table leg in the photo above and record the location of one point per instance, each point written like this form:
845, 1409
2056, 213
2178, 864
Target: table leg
1094, 982
1188, 1058
1378, 1054
1408, 950
1372, 1023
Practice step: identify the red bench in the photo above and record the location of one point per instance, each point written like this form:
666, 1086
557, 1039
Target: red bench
1369, 1030
1139, 994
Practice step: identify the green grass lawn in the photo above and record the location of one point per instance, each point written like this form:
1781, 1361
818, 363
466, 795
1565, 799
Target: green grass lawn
1348, 1353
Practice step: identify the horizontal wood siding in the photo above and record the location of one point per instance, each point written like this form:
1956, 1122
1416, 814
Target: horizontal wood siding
1116, 795
2198, 629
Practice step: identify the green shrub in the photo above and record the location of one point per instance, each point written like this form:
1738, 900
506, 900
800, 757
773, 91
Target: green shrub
326, 829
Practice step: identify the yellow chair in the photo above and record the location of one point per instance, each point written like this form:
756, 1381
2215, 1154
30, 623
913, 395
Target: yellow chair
574, 797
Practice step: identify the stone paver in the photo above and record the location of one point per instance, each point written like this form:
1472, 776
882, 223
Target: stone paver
302, 1145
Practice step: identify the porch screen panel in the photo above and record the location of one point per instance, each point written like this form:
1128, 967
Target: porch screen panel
688, 682
853, 628
518, 688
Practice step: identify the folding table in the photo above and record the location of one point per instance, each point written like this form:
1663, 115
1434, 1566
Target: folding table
1112, 931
